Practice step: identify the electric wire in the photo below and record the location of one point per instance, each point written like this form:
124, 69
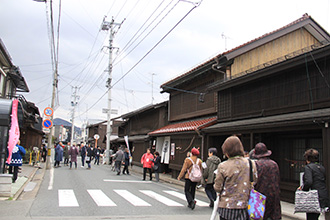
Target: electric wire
156, 44
115, 63
129, 42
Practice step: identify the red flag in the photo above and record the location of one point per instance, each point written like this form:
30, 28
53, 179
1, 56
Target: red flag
14, 130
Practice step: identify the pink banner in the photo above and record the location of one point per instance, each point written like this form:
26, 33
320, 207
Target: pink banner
14, 130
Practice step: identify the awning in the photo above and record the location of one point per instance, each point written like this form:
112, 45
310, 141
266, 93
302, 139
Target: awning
132, 138
185, 126
291, 119
19, 81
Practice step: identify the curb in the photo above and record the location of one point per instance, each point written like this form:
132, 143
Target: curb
19, 192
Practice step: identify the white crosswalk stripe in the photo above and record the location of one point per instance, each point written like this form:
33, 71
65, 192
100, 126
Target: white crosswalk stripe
183, 197
133, 199
160, 198
67, 198
100, 198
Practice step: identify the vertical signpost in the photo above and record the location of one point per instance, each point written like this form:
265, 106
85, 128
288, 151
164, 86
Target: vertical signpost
48, 124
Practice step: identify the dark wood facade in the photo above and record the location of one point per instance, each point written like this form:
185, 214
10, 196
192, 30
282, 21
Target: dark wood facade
286, 106
137, 124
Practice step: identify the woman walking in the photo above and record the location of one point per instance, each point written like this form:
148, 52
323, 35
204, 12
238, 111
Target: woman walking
73, 152
190, 187
89, 156
314, 178
268, 181
233, 181
156, 162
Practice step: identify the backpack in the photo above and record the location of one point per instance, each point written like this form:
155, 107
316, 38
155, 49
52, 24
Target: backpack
195, 175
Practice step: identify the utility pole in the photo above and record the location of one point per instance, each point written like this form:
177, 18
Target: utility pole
73, 104
109, 26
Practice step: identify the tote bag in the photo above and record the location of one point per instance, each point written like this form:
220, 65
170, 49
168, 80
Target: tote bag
257, 201
307, 201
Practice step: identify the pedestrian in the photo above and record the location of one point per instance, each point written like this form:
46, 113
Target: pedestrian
43, 152
126, 161
89, 156
314, 178
147, 163
190, 186
156, 162
212, 163
233, 181
83, 155
66, 154
16, 160
119, 156
268, 182
97, 152
73, 152
58, 154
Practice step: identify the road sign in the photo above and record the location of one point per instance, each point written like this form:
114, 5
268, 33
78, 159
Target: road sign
47, 123
96, 136
48, 111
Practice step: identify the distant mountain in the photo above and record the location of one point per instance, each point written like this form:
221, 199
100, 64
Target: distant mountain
65, 123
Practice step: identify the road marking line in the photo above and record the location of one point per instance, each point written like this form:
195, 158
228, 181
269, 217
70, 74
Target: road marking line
134, 200
160, 198
66, 198
51, 174
100, 198
127, 181
183, 197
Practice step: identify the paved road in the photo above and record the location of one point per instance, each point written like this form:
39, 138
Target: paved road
99, 192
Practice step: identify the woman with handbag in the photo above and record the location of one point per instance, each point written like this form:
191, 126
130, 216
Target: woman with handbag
156, 165
233, 181
314, 178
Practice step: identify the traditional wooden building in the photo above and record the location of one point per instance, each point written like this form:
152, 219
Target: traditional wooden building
276, 90
12, 82
137, 124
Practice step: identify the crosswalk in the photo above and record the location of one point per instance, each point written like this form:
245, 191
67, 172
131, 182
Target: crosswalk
67, 198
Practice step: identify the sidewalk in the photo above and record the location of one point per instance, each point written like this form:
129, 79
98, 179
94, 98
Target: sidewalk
287, 208
25, 175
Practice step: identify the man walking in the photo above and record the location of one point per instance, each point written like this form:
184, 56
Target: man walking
119, 156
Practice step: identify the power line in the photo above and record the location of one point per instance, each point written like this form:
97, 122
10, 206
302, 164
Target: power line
195, 6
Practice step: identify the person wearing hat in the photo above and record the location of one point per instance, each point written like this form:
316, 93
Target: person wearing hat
268, 181
190, 187
232, 181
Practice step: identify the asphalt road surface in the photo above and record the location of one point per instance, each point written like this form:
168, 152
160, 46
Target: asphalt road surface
100, 193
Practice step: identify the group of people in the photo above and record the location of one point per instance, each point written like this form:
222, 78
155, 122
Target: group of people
70, 154
151, 162
230, 179
121, 158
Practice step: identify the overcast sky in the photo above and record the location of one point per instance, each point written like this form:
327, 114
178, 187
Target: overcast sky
210, 29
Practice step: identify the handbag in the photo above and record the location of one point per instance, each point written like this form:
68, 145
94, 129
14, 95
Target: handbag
307, 201
257, 201
88, 158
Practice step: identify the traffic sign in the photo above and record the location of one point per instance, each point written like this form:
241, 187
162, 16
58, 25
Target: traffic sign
47, 123
96, 136
48, 111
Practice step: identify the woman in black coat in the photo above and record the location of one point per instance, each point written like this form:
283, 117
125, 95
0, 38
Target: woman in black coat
156, 161
89, 156
314, 178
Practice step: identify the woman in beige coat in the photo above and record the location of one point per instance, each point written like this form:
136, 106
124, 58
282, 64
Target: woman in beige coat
233, 181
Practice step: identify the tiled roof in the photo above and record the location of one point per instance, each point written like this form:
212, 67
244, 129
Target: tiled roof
185, 126
303, 18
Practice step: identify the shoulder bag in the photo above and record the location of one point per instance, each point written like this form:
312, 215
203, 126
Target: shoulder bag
257, 201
